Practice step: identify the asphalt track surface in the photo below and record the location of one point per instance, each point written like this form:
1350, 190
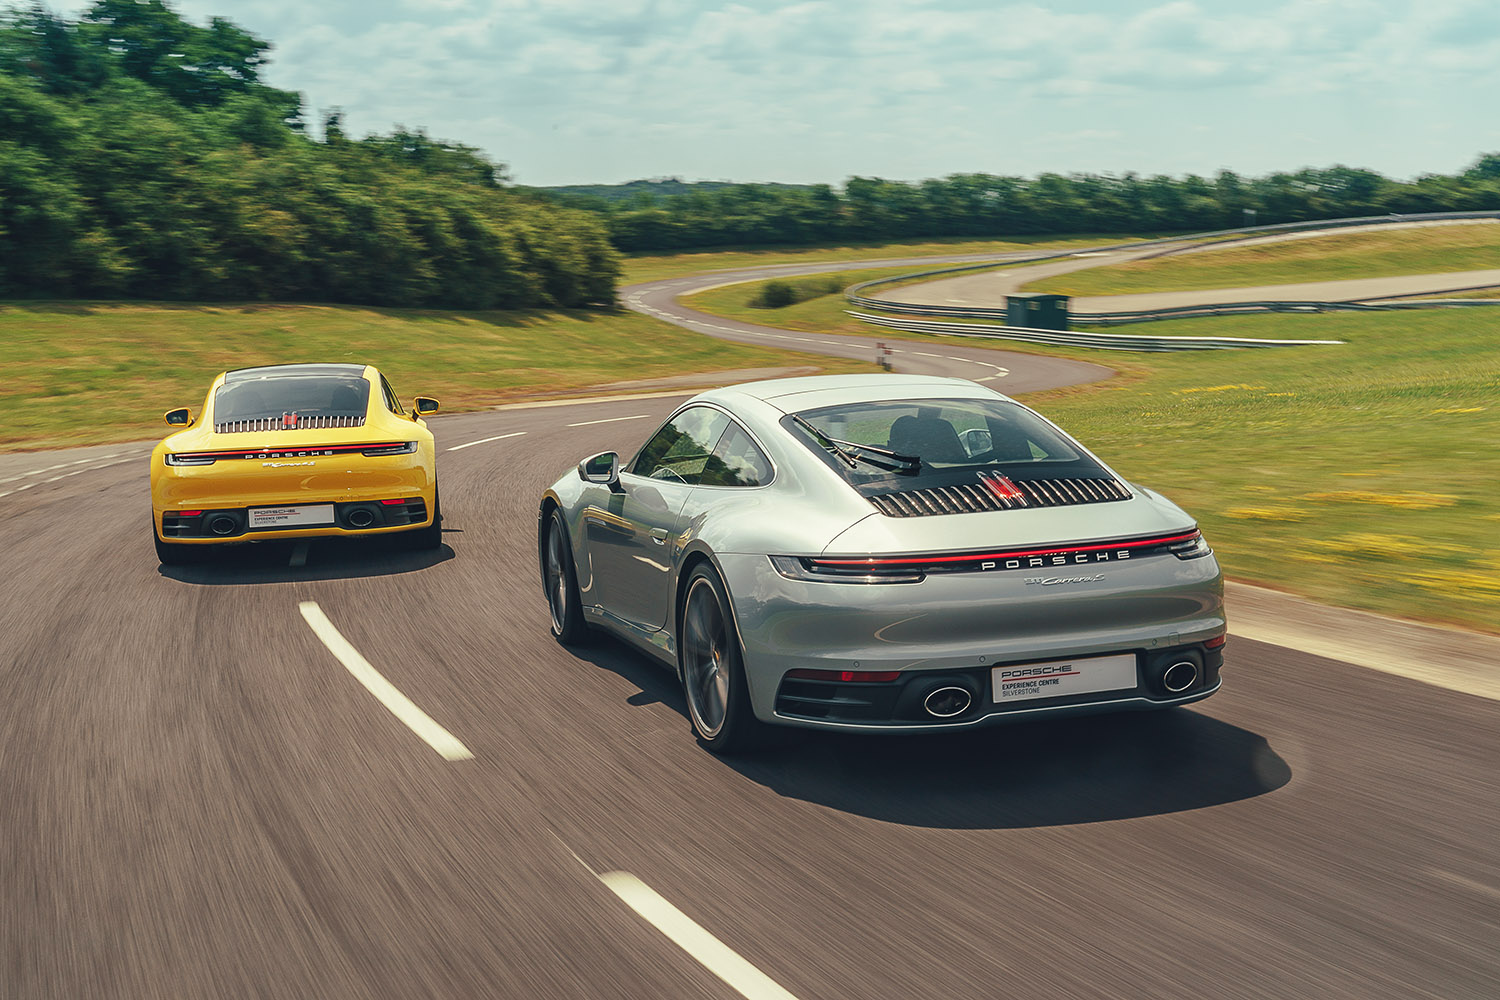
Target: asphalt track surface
200, 800
988, 289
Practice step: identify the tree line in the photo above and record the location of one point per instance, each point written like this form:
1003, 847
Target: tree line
142, 156
668, 215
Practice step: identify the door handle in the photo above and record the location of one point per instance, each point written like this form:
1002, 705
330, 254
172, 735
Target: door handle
659, 536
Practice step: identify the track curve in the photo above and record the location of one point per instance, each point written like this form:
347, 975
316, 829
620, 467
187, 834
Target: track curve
201, 801
1010, 372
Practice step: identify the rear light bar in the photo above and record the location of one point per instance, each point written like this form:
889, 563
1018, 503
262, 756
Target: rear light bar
372, 450
912, 569
847, 676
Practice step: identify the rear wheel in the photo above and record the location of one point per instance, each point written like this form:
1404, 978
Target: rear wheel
560, 578
713, 670
430, 537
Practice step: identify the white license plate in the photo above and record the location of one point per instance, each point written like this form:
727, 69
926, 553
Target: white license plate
291, 517
1057, 678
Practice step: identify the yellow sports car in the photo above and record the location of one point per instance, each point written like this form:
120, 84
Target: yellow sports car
295, 451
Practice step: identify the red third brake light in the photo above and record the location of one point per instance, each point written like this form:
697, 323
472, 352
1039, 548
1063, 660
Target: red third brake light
847, 676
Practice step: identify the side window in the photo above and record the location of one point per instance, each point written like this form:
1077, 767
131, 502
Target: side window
736, 461
391, 402
679, 451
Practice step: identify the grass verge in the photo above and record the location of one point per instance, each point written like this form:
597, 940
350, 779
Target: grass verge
1360, 475
1431, 250
87, 373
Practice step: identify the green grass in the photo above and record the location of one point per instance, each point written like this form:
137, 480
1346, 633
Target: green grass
83, 373
1361, 475
1432, 250
654, 267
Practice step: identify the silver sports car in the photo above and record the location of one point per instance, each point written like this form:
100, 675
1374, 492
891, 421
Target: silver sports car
882, 553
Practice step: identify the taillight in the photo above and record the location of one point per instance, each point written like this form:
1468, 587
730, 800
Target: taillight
842, 571
189, 459
1216, 642
1192, 547
404, 448
847, 676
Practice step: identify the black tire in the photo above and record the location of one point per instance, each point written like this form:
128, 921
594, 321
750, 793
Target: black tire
712, 668
173, 555
560, 581
430, 537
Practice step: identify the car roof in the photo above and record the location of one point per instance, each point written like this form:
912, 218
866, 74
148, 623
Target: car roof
343, 369
811, 392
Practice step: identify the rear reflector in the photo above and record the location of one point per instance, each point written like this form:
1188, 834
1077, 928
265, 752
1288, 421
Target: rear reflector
392, 503
847, 676
185, 513
1215, 643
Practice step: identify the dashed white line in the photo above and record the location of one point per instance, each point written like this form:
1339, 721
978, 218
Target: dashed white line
62, 475
681, 929
384, 691
610, 420
924, 354
61, 465
497, 437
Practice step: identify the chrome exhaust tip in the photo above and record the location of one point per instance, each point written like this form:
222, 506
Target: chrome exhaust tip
223, 525
1180, 676
359, 517
946, 702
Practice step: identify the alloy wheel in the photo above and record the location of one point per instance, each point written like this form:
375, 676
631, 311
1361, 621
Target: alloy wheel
705, 661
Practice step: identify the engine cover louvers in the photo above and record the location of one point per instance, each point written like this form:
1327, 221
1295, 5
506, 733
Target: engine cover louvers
994, 492
288, 422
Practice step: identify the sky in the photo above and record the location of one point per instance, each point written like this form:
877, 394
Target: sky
605, 91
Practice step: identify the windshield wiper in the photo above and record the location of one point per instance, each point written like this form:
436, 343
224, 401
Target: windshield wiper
905, 464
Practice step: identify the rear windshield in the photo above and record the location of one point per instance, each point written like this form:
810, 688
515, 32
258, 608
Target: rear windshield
939, 442
304, 395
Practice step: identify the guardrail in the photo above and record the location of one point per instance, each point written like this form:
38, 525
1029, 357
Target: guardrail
1080, 338
854, 296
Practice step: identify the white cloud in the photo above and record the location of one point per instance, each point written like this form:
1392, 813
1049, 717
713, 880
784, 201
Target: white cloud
809, 90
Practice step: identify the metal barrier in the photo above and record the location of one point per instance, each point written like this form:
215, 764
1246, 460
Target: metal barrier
854, 296
1079, 338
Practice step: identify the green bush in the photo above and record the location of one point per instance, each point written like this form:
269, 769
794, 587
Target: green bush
780, 294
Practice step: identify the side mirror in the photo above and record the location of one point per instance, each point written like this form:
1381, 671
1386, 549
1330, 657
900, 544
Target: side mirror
180, 417
423, 405
604, 469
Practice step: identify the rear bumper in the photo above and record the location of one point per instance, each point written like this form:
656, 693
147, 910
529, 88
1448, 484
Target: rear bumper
897, 706
233, 524
957, 628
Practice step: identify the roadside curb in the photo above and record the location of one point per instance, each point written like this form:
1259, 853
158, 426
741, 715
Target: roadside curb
1445, 657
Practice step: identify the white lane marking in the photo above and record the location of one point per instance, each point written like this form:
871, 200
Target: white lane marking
384, 691
64, 475
610, 420
586, 400
924, 354
709, 952
497, 437
299, 554
61, 465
